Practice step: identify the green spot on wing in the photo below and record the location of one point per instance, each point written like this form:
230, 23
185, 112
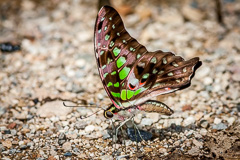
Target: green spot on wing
118, 33
111, 44
116, 84
130, 94
154, 60
109, 60
184, 69
102, 18
121, 61
145, 76
113, 26
131, 48
116, 51
154, 71
104, 66
124, 72
115, 94
105, 28
101, 52
99, 31
110, 18
137, 91
123, 94
164, 60
138, 56
105, 75
109, 84
113, 73
170, 74
107, 37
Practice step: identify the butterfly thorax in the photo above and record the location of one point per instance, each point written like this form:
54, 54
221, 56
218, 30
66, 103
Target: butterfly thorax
113, 112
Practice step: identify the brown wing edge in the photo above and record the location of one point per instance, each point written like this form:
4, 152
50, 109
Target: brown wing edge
95, 50
196, 66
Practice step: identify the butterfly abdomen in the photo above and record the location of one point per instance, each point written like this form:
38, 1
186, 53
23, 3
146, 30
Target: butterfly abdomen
156, 106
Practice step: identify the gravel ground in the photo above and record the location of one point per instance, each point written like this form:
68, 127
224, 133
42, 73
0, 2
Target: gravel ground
56, 63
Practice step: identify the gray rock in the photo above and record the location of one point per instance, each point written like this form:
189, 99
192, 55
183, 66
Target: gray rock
238, 107
62, 138
2, 111
204, 123
136, 137
81, 124
220, 126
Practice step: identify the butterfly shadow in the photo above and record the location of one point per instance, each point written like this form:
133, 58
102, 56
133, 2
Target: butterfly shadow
154, 135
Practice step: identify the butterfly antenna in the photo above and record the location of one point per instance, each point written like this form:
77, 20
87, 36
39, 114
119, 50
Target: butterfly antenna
84, 117
79, 105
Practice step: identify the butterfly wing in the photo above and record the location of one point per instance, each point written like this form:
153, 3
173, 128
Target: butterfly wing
130, 74
163, 73
115, 50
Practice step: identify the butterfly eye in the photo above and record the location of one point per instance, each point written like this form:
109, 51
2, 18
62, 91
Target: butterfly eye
132, 87
108, 114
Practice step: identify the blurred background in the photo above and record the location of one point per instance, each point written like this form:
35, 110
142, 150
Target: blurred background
47, 56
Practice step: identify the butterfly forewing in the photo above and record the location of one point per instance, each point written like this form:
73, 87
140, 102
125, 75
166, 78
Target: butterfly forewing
115, 52
130, 74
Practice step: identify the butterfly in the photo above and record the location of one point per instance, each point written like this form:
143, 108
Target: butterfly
131, 75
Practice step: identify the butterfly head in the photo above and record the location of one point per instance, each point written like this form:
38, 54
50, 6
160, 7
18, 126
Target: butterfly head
110, 111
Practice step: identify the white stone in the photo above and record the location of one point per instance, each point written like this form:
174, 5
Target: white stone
217, 88
54, 108
203, 132
231, 120
146, 122
217, 120
207, 80
153, 116
189, 120
203, 72
89, 128
67, 146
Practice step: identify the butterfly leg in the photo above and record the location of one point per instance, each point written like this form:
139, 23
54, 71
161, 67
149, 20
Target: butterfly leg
124, 142
136, 128
124, 122
114, 132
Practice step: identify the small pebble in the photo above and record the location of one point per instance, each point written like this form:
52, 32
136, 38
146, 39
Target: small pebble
219, 126
204, 123
189, 120
89, 128
146, 122
67, 154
